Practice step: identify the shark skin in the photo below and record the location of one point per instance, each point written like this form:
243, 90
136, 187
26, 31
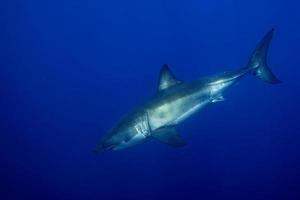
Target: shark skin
175, 101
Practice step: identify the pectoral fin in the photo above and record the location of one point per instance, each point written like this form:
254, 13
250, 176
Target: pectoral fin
168, 135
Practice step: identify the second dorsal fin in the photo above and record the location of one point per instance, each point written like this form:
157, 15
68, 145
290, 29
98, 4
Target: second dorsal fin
166, 78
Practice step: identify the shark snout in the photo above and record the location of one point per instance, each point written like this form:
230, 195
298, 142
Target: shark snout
104, 146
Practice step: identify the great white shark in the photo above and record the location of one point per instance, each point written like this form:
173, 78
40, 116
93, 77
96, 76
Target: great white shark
176, 101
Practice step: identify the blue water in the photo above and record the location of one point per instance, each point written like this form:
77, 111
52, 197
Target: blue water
70, 69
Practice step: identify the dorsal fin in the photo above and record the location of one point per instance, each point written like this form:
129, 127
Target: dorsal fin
166, 78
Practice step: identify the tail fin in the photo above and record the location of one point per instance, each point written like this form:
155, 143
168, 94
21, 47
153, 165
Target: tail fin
258, 61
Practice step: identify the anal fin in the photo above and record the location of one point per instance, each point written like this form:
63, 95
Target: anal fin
217, 99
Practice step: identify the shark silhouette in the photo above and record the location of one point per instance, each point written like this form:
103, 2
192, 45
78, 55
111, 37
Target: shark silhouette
176, 101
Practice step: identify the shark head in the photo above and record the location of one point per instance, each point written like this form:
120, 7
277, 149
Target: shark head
106, 144
112, 139
128, 132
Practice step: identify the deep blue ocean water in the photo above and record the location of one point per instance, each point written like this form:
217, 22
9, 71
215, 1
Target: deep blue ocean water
70, 69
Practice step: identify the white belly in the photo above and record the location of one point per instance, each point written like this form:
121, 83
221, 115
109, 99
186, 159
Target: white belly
189, 113
133, 141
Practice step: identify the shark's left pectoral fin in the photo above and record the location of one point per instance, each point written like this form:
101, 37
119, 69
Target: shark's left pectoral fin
168, 135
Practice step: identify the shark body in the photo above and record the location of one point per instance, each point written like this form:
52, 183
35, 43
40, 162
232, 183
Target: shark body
176, 101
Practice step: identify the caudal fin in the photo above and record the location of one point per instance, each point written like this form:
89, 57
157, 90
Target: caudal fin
258, 62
